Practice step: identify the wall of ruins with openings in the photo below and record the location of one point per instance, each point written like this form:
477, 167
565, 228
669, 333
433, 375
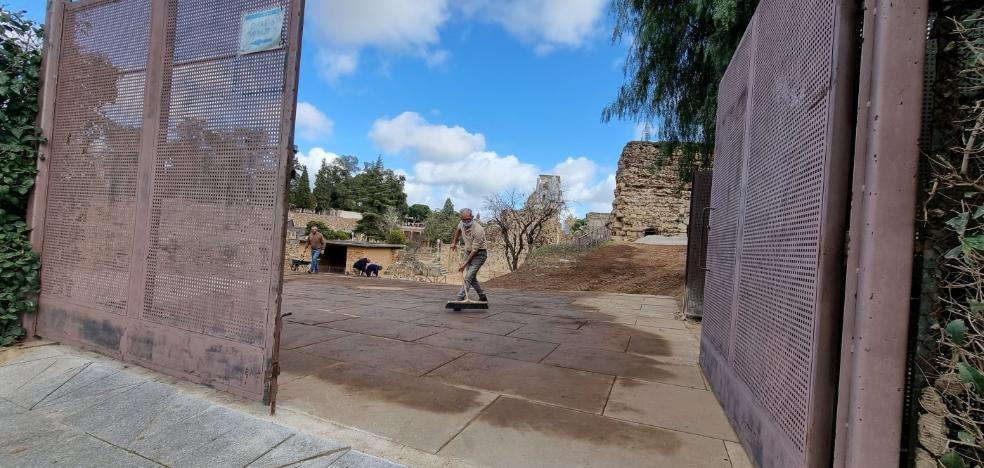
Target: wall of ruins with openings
647, 200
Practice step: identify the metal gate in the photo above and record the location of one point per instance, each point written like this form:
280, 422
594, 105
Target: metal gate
774, 270
160, 205
700, 208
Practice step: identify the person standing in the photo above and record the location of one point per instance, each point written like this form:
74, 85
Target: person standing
473, 235
316, 242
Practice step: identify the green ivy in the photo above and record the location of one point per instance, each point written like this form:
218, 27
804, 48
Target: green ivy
20, 61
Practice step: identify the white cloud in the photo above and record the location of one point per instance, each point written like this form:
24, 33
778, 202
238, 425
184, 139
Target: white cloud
429, 142
311, 123
333, 65
579, 179
342, 27
545, 24
452, 162
313, 158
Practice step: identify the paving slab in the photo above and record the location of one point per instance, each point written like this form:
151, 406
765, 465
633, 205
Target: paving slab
385, 328
315, 315
295, 365
354, 459
421, 413
491, 345
538, 319
170, 443
569, 388
300, 448
30, 351
121, 418
659, 322
603, 339
671, 407
28, 383
388, 313
517, 433
8, 408
31, 440
625, 365
296, 335
96, 384
739, 459
384, 353
238, 447
480, 325
666, 345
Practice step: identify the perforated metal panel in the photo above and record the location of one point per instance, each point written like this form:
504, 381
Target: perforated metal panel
779, 207
165, 213
700, 204
722, 237
93, 154
215, 177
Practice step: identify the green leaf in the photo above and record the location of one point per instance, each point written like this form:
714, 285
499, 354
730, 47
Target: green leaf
976, 242
952, 460
976, 307
971, 375
966, 437
954, 252
957, 330
959, 223
979, 212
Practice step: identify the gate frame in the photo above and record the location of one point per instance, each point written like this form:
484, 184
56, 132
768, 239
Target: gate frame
881, 237
36, 212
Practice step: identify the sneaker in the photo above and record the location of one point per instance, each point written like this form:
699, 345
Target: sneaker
460, 298
483, 298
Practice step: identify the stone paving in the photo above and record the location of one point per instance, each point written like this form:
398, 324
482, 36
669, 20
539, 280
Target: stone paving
539, 379
63, 407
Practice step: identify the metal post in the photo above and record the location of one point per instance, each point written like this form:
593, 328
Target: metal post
881, 234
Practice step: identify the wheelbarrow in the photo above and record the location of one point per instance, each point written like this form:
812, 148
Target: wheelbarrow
297, 263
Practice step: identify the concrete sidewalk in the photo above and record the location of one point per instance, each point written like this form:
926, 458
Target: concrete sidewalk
60, 406
540, 379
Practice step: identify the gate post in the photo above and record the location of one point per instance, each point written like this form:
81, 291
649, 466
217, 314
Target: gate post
46, 116
879, 266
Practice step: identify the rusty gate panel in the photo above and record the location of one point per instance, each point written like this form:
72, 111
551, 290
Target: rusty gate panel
700, 204
93, 149
767, 339
719, 282
166, 184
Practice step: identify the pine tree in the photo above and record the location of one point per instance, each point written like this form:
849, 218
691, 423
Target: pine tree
300, 194
323, 187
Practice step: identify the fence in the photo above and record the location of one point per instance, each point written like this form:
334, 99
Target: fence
161, 199
700, 212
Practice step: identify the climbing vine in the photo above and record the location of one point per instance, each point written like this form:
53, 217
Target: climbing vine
20, 61
950, 428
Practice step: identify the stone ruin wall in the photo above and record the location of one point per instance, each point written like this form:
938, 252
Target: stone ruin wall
646, 198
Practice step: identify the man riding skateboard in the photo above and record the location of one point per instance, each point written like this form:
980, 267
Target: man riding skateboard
473, 235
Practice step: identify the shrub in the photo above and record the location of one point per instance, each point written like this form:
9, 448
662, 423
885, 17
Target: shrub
395, 236
20, 57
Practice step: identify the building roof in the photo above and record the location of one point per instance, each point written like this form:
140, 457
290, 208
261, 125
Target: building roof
350, 243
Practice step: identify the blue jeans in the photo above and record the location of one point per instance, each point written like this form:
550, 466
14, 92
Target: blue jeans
315, 253
471, 274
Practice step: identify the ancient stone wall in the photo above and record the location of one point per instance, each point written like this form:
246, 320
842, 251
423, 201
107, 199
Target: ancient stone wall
598, 220
646, 198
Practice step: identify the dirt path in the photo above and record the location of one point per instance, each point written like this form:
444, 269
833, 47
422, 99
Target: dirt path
626, 268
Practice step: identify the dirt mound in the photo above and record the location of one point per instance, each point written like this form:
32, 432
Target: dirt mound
624, 268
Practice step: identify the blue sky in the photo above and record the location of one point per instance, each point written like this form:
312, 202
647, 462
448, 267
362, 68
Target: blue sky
465, 97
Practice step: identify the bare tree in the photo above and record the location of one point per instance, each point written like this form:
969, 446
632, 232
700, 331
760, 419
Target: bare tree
519, 222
